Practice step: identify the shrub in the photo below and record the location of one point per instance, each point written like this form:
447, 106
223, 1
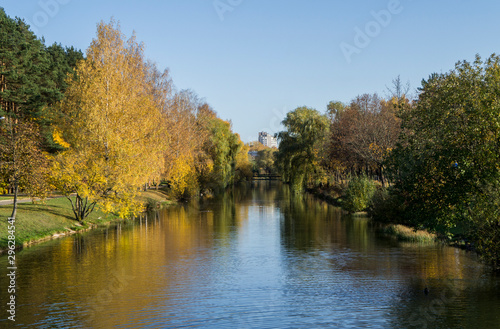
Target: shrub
152, 204
484, 214
386, 206
358, 195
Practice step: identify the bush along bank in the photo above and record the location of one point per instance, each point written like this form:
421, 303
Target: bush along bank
361, 194
438, 151
476, 229
398, 219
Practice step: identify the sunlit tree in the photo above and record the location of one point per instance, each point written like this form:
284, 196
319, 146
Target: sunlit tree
109, 118
363, 134
446, 166
300, 146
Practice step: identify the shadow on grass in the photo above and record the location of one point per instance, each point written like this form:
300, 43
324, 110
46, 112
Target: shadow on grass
4, 243
50, 209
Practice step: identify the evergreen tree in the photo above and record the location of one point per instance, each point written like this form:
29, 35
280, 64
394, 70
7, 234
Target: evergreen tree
24, 92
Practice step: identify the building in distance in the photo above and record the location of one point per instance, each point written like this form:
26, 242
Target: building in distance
268, 139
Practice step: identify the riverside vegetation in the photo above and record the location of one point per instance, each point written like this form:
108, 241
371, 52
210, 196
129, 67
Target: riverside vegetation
430, 163
40, 221
100, 128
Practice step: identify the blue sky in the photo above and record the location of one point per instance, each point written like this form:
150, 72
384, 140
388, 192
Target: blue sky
255, 60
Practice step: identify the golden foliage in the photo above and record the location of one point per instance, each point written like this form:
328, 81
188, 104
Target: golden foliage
182, 176
243, 164
22, 160
56, 136
111, 120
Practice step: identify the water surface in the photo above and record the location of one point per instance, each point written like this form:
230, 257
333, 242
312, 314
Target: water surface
256, 257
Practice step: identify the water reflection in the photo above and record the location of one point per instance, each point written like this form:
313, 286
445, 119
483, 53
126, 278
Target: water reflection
255, 257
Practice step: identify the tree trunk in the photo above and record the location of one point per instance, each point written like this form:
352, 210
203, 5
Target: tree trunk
382, 176
16, 190
81, 207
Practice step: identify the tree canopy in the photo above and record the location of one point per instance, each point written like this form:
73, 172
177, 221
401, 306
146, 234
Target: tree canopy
29, 87
109, 118
448, 152
299, 152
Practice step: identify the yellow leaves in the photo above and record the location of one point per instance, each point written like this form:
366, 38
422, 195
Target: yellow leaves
56, 136
204, 166
114, 124
74, 174
125, 205
182, 176
243, 165
376, 150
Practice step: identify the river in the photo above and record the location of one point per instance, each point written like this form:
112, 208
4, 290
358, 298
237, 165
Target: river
255, 257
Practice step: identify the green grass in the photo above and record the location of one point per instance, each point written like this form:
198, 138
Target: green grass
38, 221
406, 234
20, 196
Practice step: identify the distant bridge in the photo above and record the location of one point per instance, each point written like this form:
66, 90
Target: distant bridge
266, 177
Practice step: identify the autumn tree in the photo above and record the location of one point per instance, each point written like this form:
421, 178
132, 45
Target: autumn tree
300, 146
22, 160
256, 146
160, 89
266, 159
243, 166
363, 134
445, 165
109, 119
187, 125
203, 153
333, 109
222, 147
399, 90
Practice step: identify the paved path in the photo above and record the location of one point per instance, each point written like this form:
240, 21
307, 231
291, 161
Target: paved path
25, 200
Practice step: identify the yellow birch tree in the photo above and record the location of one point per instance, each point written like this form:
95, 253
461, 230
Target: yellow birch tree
110, 119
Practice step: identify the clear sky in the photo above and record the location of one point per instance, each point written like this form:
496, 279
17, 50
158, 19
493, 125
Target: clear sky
255, 60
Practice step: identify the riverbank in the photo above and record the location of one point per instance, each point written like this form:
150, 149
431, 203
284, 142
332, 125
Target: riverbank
396, 231
38, 222
330, 195
407, 234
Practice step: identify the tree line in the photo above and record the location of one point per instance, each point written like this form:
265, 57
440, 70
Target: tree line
430, 162
101, 126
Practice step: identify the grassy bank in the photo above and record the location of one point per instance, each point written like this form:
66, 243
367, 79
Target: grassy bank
407, 234
40, 222
155, 198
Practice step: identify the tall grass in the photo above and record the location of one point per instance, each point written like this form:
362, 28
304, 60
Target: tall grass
407, 234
